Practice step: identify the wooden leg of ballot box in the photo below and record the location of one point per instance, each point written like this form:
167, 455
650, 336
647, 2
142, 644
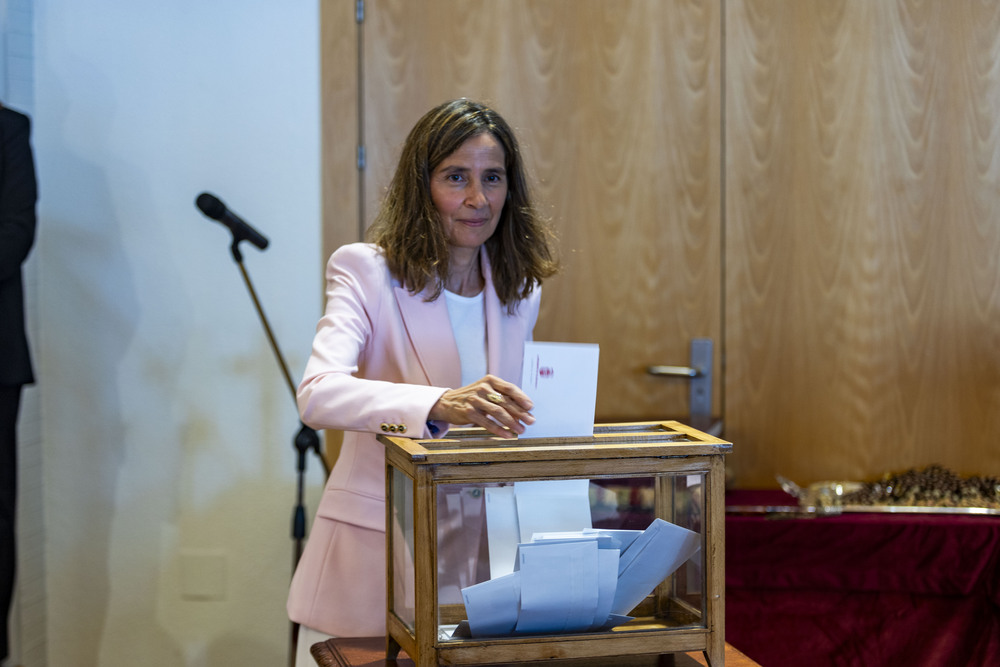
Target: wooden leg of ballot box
392, 648
716, 560
417, 641
425, 570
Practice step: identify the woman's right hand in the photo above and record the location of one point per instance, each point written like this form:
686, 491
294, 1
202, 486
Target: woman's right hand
497, 405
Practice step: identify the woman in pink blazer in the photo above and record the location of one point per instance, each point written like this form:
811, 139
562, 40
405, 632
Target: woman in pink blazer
424, 328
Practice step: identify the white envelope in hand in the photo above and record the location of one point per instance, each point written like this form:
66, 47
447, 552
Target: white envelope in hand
561, 380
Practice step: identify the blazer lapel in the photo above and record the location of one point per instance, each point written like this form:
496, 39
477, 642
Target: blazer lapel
429, 330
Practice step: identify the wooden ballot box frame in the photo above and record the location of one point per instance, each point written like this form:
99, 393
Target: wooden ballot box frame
664, 451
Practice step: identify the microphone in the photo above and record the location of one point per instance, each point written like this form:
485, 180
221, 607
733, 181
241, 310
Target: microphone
211, 206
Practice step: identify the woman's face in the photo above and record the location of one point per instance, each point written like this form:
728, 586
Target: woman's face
469, 189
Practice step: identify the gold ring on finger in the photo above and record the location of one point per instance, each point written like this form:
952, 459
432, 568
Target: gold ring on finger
495, 398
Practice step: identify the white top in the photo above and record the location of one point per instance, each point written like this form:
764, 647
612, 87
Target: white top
468, 322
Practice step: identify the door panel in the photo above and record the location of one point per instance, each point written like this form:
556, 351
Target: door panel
862, 236
617, 107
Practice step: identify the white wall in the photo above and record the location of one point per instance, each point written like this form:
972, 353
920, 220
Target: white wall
166, 424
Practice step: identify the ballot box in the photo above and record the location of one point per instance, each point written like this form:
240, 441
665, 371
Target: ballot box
505, 551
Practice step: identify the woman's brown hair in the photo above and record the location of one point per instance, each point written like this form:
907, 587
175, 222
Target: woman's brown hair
408, 228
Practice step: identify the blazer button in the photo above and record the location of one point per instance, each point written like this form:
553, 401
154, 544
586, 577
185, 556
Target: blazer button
385, 427
393, 428
402, 428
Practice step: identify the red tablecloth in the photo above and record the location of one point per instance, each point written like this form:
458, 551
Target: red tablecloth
862, 589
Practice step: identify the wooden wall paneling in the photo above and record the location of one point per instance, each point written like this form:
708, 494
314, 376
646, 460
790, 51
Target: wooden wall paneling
340, 129
339, 133
960, 390
639, 201
862, 237
861, 246
784, 236
417, 55
618, 107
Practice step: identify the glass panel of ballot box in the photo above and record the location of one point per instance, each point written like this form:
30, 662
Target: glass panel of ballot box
504, 551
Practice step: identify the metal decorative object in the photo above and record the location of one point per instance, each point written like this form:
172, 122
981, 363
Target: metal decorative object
930, 490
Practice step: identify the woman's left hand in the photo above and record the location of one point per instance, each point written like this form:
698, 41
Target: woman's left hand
495, 404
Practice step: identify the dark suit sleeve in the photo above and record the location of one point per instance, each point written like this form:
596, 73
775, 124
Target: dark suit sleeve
18, 193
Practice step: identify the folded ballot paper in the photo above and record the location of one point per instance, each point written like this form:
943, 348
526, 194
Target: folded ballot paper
577, 581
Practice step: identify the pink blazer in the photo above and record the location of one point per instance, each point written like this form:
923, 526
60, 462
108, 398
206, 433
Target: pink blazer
381, 358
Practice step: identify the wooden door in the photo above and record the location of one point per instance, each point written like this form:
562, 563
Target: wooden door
617, 105
863, 238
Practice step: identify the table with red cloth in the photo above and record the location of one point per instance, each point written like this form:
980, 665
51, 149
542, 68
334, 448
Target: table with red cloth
861, 588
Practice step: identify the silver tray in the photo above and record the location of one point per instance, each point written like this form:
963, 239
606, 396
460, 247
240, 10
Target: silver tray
826, 499
833, 510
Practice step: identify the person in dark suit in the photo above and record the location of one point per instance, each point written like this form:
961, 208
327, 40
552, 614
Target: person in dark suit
18, 195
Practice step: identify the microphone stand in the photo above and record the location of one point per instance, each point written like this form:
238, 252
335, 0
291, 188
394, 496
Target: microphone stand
306, 440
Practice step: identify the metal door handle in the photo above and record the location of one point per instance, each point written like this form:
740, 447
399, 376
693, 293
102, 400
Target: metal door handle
700, 374
674, 371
